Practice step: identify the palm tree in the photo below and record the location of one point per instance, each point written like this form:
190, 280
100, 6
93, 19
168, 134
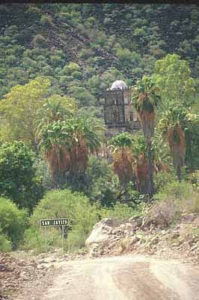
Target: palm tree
161, 154
140, 164
67, 144
129, 155
172, 124
53, 141
85, 137
140, 161
122, 157
145, 98
176, 124
54, 109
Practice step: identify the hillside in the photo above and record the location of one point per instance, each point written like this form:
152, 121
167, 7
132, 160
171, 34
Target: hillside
85, 47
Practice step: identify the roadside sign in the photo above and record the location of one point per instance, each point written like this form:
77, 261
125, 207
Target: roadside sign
54, 222
63, 222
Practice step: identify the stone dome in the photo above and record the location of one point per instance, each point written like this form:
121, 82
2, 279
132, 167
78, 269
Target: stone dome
118, 85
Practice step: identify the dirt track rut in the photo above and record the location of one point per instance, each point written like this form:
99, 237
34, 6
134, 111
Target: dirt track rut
123, 278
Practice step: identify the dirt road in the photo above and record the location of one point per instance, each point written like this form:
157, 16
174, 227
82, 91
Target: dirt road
123, 278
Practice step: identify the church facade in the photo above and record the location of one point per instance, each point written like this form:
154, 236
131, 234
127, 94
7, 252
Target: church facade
119, 113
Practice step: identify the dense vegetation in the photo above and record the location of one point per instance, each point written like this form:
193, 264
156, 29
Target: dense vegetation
85, 47
56, 60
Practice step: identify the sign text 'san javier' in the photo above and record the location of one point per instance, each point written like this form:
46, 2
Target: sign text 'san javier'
54, 222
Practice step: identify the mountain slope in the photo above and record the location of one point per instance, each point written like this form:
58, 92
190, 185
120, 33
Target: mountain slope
83, 48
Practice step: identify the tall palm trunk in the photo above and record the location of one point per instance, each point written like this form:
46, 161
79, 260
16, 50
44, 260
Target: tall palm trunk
150, 168
177, 145
142, 174
147, 119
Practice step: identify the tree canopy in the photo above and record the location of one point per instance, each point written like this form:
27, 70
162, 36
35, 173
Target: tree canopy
18, 175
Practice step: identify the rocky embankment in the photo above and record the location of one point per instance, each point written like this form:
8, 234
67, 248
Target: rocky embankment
20, 270
142, 235
16, 272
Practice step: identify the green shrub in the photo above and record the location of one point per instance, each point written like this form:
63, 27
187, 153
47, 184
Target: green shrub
70, 68
119, 211
83, 96
176, 190
5, 244
80, 213
11, 59
13, 222
61, 204
103, 183
39, 41
17, 173
85, 53
194, 179
124, 55
46, 20
56, 60
161, 179
77, 75
42, 240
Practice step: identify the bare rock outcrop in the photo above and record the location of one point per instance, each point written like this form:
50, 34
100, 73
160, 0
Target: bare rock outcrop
142, 235
108, 232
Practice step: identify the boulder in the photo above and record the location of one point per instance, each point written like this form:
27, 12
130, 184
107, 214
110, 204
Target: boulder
100, 233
